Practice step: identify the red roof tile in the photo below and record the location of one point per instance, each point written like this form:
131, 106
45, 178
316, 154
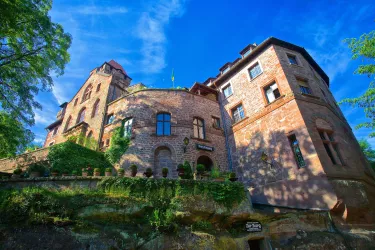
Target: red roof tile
114, 64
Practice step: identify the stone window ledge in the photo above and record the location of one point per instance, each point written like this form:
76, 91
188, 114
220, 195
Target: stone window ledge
155, 135
311, 96
240, 121
275, 101
252, 79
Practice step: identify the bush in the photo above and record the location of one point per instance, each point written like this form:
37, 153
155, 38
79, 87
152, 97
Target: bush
188, 172
108, 169
121, 170
17, 171
232, 175
70, 156
74, 172
165, 170
215, 172
180, 166
133, 168
96, 170
200, 168
37, 167
148, 170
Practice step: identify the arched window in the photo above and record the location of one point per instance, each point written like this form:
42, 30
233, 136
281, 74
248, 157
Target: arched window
198, 127
81, 115
98, 87
87, 93
163, 124
68, 122
128, 124
95, 109
89, 135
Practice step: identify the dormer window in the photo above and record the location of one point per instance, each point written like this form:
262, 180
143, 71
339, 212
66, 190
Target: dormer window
226, 70
247, 53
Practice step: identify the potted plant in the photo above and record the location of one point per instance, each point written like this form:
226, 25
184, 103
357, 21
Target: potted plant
120, 172
97, 172
36, 170
215, 174
165, 171
85, 172
148, 172
133, 169
108, 172
65, 173
89, 170
74, 173
54, 172
200, 169
17, 173
181, 170
232, 176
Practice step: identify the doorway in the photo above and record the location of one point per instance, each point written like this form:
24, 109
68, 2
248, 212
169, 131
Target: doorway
206, 161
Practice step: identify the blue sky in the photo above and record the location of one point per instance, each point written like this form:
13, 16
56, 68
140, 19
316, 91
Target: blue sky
196, 38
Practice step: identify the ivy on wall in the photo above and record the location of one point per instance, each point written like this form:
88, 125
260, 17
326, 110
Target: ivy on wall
118, 146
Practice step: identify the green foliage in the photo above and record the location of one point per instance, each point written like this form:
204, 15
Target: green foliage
39, 167
74, 172
202, 226
31, 48
165, 170
200, 168
368, 151
70, 156
17, 171
133, 168
83, 140
364, 49
118, 146
121, 170
215, 172
149, 170
232, 175
32, 147
96, 170
13, 136
180, 166
188, 172
108, 169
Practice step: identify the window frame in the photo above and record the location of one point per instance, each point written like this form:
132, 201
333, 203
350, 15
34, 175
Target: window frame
253, 65
163, 122
288, 54
87, 93
331, 146
307, 85
108, 116
75, 102
98, 87
95, 108
130, 132
83, 110
198, 126
301, 163
226, 86
216, 124
263, 89
67, 123
235, 107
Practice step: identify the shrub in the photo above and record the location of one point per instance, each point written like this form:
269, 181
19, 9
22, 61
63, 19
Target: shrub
74, 172
200, 168
96, 170
121, 170
108, 169
165, 170
17, 171
37, 167
215, 172
180, 166
188, 172
133, 168
232, 175
65, 171
148, 170
71, 156
119, 145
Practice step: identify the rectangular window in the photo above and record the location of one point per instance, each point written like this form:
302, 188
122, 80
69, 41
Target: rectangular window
272, 92
215, 122
198, 128
163, 124
255, 70
331, 146
304, 87
128, 124
238, 113
296, 151
292, 59
227, 91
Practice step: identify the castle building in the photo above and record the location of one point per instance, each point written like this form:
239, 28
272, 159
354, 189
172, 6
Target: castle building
268, 116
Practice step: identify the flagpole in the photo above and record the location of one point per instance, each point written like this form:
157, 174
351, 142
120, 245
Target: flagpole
172, 77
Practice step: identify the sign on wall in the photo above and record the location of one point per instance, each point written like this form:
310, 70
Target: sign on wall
204, 147
253, 226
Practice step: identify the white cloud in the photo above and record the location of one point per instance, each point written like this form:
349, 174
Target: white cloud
61, 92
100, 10
151, 30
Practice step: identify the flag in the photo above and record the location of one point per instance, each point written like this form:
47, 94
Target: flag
172, 77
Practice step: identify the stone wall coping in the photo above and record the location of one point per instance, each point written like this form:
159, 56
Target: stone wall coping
158, 89
53, 178
21, 155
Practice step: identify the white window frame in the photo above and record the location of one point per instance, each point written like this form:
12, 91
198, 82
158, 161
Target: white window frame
251, 65
224, 87
299, 63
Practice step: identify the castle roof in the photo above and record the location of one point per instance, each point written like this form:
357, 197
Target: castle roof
116, 65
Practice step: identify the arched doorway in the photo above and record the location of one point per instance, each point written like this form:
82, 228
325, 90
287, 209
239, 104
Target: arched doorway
163, 159
206, 161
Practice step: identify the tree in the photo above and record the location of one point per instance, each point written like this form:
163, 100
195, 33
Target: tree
364, 48
31, 48
368, 151
14, 137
